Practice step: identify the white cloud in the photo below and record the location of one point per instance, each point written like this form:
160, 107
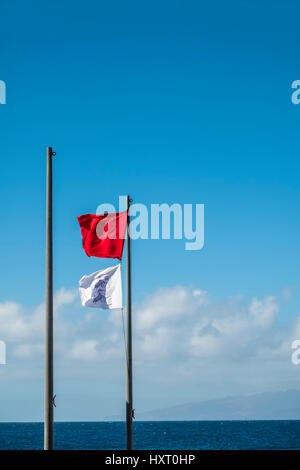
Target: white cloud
18, 324
264, 311
158, 343
177, 321
64, 297
85, 350
180, 335
12, 323
169, 304
205, 345
26, 351
185, 322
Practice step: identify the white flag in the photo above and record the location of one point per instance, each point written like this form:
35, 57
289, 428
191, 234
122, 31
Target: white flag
102, 289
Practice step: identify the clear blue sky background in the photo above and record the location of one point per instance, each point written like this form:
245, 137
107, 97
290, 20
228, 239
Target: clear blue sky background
168, 101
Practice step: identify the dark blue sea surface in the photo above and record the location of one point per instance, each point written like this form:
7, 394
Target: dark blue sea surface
170, 435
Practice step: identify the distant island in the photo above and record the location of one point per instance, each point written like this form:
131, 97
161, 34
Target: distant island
271, 405
263, 406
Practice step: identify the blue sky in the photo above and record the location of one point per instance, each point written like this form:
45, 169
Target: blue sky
169, 102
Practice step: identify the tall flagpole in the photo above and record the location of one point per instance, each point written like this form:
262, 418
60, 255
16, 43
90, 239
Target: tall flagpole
129, 407
49, 398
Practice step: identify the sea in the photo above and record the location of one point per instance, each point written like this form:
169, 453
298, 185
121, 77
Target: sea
156, 435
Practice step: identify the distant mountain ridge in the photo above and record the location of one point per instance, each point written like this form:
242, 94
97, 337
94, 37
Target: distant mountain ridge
264, 406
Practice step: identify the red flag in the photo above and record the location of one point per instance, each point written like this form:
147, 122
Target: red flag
103, 235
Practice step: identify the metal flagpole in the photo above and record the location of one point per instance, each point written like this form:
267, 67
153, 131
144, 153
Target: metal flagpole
129, 407
49, 398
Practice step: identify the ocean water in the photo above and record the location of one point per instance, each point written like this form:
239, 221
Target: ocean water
170, 435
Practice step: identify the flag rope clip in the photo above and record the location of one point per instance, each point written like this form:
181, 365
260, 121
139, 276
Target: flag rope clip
53, 401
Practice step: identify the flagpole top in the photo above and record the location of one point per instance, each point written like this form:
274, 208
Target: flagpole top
50, 152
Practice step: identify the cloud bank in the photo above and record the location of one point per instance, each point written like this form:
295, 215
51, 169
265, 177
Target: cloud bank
185, 343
